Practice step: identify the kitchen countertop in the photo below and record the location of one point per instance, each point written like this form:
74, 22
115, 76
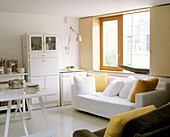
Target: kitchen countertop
71, 70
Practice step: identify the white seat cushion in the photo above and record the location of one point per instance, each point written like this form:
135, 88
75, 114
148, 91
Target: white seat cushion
101, 105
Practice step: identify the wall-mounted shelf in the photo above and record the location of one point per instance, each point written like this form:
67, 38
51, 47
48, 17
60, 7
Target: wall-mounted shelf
7, 77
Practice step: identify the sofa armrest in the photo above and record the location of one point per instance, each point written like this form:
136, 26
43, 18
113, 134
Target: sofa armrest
83, 133
156, 97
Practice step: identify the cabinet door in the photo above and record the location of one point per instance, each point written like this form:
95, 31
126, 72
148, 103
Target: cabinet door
43, 67
36, 43
52, 84
50, 43
40, 81
66, 90
50, 67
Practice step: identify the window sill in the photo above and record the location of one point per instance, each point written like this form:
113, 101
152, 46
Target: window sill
123, 73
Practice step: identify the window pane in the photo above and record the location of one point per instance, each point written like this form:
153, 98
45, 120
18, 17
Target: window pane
137, 40
110, 43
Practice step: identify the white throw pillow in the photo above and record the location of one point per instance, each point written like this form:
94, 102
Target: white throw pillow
127, 87
84, 85
113, 88
131, 90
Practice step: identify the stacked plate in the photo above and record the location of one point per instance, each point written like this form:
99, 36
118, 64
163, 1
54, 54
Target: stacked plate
31, 88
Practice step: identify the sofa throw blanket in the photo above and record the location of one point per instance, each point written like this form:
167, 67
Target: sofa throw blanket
148, 122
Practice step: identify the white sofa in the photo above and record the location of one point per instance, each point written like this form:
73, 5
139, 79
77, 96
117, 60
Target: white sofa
105, 106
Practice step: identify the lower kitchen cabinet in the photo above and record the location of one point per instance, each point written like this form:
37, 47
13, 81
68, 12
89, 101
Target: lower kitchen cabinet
52, 84
66, 80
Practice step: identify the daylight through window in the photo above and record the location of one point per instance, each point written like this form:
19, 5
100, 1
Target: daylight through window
125, 39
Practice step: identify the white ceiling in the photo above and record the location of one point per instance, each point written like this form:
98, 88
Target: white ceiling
75, 8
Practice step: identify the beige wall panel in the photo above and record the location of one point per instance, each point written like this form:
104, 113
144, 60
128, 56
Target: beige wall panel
96, 43
160, 41
86, 44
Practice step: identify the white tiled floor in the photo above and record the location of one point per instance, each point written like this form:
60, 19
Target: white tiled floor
64, 121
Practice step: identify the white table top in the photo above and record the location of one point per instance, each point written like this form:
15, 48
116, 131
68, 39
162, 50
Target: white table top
7, 94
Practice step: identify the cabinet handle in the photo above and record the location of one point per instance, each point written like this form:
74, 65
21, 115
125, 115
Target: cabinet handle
43, 60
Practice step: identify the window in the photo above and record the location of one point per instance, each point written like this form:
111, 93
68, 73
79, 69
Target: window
136, 44
125, 39
111, 43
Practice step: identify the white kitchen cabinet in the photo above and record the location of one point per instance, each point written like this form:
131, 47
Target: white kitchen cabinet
36, 43
47, 82
66, 80
41, 62
45, 67
42, 43
41, 82
66, 90
50, 43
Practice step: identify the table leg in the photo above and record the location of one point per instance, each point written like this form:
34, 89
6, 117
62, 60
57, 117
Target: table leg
45, 116
23, 105
7, 119
28, 106
16, 109
22, 118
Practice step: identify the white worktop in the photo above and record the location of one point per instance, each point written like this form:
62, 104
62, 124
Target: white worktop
71, 70
7, 94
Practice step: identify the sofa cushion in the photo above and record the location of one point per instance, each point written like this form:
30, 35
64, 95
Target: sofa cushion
117, 122
143, 86
113, 88
84, 85
129, 82
101, 81
161, 132
148, 122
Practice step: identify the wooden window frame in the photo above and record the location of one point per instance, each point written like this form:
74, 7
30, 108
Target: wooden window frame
120, 42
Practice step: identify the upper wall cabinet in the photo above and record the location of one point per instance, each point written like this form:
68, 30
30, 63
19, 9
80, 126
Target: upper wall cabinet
36, 43
50, 43
42, 43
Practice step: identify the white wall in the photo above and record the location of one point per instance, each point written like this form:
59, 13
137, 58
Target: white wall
14, 25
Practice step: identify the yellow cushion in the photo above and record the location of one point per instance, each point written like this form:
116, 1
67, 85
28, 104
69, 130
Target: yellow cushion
143, 86
101, 81
118, 122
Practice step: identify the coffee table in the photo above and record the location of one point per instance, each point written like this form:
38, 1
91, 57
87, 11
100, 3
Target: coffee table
7, 94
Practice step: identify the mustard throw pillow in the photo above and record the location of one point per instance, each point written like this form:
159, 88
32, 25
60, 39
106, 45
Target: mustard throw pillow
101, 81
117, 122
143, 86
